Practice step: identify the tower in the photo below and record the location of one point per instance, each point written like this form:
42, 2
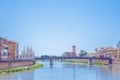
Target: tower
74, 51
96, 50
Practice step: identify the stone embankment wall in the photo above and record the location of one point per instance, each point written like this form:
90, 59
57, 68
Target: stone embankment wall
15, 63
81, 60
116, 61
102, 61
94, 61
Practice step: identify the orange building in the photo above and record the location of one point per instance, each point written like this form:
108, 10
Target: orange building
13, 50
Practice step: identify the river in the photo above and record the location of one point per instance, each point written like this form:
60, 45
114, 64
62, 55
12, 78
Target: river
66, 71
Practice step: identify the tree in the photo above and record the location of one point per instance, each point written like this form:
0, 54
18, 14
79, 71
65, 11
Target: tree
45, 56
82, 53
64, 55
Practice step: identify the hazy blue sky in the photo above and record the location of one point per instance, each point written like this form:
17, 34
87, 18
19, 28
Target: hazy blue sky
53, 26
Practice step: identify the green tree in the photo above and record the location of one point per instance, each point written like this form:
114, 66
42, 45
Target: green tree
82, 53
63, 55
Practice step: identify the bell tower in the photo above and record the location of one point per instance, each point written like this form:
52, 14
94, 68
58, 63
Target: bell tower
74, 51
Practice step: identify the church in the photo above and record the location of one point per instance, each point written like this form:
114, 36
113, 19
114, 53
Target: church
27, 54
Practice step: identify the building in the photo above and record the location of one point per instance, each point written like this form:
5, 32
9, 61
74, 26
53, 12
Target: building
94, 54
74, 50
8, 49
71, 54
107, 52
27, 54
68, 54
118, 49
13, 50
4, 49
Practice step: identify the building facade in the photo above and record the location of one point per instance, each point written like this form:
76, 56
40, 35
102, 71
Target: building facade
74, 50
107, 52
13, 50
118, 49
4, 49
94, 54
27, 54
71, 54
8, 49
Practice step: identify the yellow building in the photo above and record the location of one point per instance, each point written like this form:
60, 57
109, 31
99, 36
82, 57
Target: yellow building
109, 51
113, 52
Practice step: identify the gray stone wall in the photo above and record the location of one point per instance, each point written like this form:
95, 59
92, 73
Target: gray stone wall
15, 63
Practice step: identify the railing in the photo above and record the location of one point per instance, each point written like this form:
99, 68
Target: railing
42, 58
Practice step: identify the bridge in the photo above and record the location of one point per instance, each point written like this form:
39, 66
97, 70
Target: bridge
90, 59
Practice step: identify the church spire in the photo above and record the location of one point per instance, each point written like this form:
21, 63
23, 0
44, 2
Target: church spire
27, 48
24, 49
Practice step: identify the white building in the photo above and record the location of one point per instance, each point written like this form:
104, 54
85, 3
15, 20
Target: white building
27, 54
4, 49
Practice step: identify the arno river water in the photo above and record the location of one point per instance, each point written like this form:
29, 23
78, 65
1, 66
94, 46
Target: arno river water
66, 71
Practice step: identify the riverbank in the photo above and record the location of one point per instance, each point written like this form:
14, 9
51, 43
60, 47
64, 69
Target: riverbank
72, 61
81, 62
11, 70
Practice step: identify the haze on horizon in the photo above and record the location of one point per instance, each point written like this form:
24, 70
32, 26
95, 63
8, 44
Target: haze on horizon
51, 27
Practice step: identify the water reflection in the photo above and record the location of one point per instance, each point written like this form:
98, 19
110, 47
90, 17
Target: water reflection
74, 74
107, 73
73, 66
28, 75
116, 72
51, 66
94, 72
8, 77
68, 65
